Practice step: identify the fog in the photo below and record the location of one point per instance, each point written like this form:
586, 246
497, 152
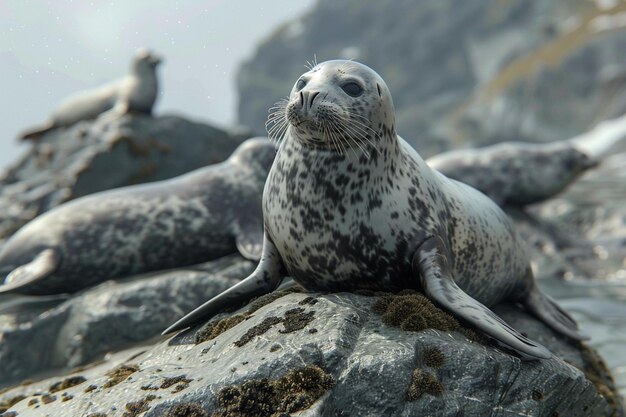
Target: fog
52, 48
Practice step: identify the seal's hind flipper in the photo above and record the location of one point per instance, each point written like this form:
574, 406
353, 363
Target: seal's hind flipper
548, 311
43, 265
249, 236
265, 278
431, 262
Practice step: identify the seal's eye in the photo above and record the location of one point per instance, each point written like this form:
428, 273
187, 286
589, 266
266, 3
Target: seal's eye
300, 84
352, 89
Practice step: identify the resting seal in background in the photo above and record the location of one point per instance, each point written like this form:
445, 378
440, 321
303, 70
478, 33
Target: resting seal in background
518, 174
199, 216
135, 92
350, 205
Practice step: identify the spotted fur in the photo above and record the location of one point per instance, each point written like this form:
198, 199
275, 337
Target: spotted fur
193, 218
375, 216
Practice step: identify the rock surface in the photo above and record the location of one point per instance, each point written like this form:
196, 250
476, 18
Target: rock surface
461, 74
92, 156
107, 318
330, 355
471, 73
46, 340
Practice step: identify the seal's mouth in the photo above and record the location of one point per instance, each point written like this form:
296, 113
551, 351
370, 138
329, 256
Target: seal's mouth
323, 124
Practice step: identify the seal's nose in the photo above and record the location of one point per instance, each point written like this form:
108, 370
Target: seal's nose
307, 98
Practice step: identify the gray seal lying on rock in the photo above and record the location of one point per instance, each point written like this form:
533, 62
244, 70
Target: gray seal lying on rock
350, 205
135, 92
518, 173
193, 218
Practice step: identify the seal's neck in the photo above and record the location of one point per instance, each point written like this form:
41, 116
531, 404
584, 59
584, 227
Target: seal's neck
383, 143
382, 156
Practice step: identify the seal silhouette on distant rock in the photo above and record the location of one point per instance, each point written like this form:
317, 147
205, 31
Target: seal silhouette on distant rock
193, 218
135, 92
350, 205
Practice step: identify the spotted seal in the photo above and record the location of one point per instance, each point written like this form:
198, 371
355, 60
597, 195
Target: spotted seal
350, 205
135, 92
515, 173
521, 173
193, 218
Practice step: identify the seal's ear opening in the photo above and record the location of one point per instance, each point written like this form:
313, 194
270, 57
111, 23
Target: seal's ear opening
378, 88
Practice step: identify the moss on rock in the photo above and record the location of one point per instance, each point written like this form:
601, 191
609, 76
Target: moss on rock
120, 374
67, 383
186, 410
423, 382
216, 328
133, 409
411, 311
295, 391
10, 402
433, 357
596, 371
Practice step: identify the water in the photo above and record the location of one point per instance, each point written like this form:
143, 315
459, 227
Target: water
600, 309
594, 209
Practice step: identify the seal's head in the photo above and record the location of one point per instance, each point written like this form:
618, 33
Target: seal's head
145, 60
337, 105
256, 152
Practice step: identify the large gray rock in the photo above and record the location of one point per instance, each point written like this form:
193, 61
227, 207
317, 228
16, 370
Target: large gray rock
107, 318
461, 73
332, 355
97, 155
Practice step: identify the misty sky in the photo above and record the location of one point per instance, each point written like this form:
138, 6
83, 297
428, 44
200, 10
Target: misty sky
51, 48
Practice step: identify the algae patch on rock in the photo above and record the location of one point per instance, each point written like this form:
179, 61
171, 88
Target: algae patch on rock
258, 330
47, 398
186, 410
597, 372
133, 409
423, 382
409, 310
6, 404
295, 391
433, 357
67, 383
120, 374
181, 382
216, 328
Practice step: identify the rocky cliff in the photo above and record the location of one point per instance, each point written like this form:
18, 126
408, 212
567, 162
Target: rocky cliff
461, 73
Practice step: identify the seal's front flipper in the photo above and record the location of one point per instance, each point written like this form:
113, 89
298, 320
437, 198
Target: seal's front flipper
249, 235
265, 278
431, 263
43, 265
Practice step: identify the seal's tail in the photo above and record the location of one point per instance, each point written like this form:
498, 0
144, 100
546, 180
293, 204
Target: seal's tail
550, 313
35, 133
605, 139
